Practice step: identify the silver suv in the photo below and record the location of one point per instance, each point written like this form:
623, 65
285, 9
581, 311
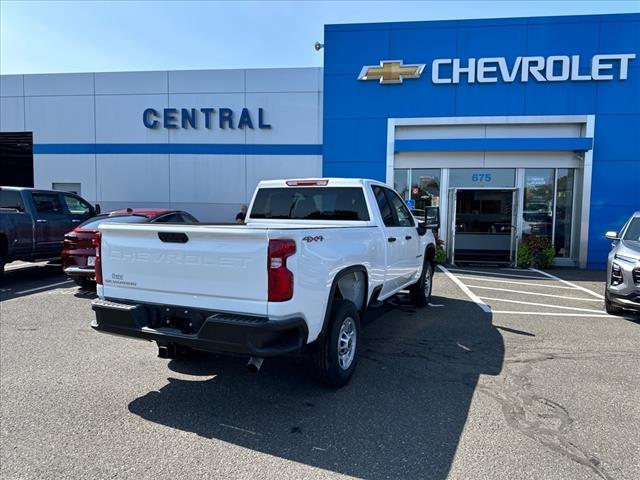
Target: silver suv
623, 268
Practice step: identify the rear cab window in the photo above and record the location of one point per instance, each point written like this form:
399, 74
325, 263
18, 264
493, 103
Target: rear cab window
310, 203
11, 199
47, 203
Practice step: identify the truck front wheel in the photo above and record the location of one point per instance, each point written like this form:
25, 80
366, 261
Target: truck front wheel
421, 290
337, 355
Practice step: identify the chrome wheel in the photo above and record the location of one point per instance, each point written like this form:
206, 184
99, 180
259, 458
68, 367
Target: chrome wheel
347, 343
427, 282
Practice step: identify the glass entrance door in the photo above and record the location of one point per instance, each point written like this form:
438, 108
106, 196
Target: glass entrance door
482, 228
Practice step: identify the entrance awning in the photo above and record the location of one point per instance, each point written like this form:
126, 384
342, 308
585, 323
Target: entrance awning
572, 144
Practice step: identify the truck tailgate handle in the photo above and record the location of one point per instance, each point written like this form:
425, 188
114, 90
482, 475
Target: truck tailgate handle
391, 239
173, 237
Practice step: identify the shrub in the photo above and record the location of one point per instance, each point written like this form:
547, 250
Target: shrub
536, 252
524, 256
441, 255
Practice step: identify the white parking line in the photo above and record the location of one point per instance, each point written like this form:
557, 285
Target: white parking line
43, 287
597, 295
530, 277
515, 282
464, 288
553, 314
541, 305
535, 293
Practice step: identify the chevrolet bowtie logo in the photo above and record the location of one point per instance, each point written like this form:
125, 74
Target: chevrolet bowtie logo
390, 71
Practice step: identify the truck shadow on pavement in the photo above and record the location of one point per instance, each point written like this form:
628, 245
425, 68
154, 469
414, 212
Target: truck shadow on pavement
401, 416
31, 278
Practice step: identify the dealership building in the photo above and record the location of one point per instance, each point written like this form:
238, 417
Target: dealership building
512, 127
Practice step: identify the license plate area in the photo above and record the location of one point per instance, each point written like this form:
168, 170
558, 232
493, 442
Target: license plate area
91, 261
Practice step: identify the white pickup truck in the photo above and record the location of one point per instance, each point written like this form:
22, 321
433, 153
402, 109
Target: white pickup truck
298, 277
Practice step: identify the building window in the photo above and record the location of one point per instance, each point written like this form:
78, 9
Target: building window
401, 182
538, 203
425, 187
548, 206
564, 211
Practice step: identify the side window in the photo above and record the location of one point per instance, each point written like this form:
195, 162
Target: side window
384, 206
171, 218
11, 199
400, 208
76, 206
47, 203
186, 218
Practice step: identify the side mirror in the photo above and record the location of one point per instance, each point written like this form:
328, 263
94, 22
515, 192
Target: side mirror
97, 208
432, 217
422, 228
612, 235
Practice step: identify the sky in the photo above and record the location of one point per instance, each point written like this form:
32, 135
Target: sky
96, 36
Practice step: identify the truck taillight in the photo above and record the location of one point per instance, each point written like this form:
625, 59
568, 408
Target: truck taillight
308, 182
280, 278
97, 242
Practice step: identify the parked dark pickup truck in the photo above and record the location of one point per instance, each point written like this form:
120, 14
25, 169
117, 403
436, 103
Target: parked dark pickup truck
33, 222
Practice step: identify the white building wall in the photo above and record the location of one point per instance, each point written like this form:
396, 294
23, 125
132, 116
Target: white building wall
72, 110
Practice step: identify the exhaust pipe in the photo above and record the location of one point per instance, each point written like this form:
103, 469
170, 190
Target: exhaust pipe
254, 364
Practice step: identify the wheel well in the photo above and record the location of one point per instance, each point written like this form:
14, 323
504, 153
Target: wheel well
351, 284
431, 254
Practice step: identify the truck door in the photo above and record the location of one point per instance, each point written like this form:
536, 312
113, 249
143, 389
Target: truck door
17, 222
398, 269
51, 222
407, 242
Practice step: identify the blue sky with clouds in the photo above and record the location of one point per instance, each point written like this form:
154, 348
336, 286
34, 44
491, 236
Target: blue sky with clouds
59, 36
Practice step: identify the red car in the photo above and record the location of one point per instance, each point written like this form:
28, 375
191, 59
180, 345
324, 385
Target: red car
79, 251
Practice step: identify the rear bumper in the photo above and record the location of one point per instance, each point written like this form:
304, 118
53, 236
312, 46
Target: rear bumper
201, 329
80, 272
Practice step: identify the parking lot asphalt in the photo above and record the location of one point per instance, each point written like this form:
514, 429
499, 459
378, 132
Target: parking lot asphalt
509, 374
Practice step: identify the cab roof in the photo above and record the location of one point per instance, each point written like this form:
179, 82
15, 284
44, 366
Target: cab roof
323, 182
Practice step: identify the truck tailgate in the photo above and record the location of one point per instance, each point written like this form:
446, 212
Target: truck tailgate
213, 267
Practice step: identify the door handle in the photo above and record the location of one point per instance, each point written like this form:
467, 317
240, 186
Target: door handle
392, 239
41, 220
408, 237
75, 220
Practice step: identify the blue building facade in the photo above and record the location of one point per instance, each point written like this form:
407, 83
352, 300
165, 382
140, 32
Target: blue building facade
530, 123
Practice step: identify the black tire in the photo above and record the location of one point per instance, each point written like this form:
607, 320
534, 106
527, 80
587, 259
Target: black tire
420, 291
84, 282
610, 308
329, 365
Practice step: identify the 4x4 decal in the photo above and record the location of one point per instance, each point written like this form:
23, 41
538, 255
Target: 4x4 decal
309, 239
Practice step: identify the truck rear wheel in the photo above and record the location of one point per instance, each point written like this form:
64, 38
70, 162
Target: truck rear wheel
421, 290
337, 355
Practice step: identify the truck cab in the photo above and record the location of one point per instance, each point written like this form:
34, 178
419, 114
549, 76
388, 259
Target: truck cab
33, 222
